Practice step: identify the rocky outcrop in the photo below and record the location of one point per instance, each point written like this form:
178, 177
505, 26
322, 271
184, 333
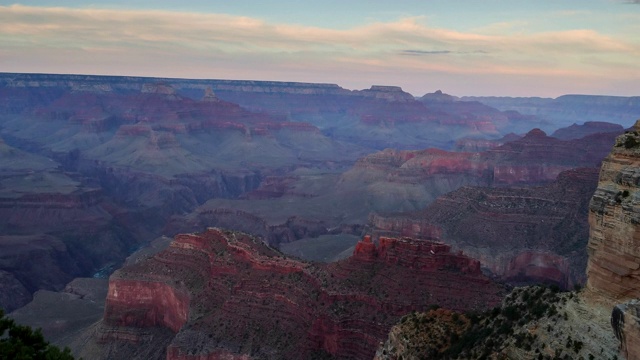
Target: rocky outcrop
531, 323
226, 295
614, 256
78, 306
625, 320
521, 235
146, 304
423, 335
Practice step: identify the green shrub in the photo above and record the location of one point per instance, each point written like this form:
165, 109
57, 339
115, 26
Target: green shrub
21, 342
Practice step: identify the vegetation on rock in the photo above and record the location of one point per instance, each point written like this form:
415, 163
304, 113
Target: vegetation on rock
519, 328
21, 342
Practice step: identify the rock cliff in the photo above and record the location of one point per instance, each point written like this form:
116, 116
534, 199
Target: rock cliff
226, 295
534, 159
589, 319
379, 117
54, 226
520, 235
48, 239
614, 256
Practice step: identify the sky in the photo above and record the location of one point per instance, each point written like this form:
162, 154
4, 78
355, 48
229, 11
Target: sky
462, 47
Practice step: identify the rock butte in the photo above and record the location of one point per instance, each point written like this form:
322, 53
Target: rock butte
226, 295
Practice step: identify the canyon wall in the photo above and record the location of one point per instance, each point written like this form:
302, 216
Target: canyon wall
227, 295
534, 159
378, 117
614, 255
521, 235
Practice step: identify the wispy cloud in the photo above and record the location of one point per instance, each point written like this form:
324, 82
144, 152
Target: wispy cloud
412, 52
216, 45
425, 52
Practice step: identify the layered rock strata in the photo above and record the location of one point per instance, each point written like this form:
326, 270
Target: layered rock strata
614, 253
227, 295
520, 235
534, 159
378, 117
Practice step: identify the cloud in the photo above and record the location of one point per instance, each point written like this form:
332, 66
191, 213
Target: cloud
184, 44
425, 52
412, 52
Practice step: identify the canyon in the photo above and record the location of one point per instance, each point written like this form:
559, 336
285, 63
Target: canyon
600, 321
308, 204
520, 235
227, 295
93, 168
146, 145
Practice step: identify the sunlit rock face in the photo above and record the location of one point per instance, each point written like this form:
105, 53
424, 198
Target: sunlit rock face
226, 295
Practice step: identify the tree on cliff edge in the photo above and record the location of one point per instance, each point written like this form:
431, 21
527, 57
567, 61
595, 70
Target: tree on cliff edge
19, 342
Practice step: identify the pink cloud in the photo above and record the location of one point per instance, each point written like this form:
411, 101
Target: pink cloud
162, 43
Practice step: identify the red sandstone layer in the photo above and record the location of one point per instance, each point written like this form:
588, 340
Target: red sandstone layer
228, 295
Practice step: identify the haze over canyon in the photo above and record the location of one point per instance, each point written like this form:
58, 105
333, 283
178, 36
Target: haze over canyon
234, 219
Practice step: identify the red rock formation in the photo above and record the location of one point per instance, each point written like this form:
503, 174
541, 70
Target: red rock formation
227, 295
365, 250
146, 304
519, 234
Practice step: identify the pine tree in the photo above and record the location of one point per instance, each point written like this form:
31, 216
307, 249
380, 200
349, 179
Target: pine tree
20, 342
